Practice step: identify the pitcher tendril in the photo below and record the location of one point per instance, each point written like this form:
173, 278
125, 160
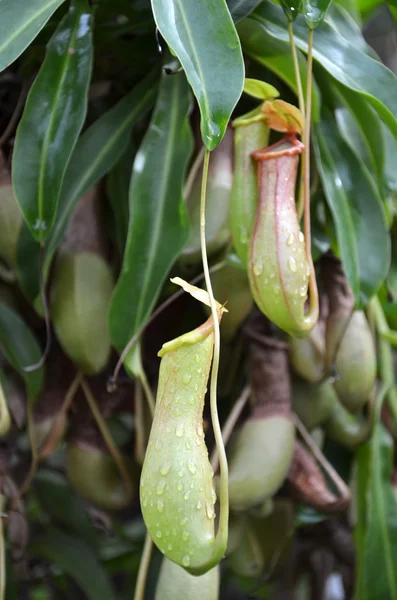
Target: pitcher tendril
222, 534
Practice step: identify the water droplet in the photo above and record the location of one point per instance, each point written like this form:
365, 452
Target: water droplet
272, 275
158, 445
160, 487
266, 281
291, 239
243, 236
283, 228
292, 264
200, 430
192, 467
187, 495
144, 502
181, 472
188, 445
303, 291
160, 506
180, 430
198, 359
185, 535
179, 487
209, 509
186, 378
174, 532
213, 494
186, 561
169, 546
184, 521
198, 505
276, 289
165, 468
258, 268
158, 534
301, 237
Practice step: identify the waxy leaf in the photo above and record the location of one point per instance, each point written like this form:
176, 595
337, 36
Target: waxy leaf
64, 506
291, 8
203, 37
20, 22
361, 128
339, 58
117, 185
376, 532
314, 12
276, 56
357, 210
239, 9
158, 221
53, 117
97, 150
20, 348
77, 559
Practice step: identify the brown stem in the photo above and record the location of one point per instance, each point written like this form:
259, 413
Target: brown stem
340, 485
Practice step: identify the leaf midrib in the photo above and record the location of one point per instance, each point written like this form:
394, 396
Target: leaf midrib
43, 162
159, 213
342, 194
83, 182
379, 501
27, 23
203, 96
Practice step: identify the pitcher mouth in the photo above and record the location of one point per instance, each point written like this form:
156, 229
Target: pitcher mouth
289, 145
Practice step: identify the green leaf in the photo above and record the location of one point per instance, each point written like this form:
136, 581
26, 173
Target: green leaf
340, 59
276, 56
357, 211
341, 19
361, 128
20, 348
117, 185
377, 564
203, 37
75, 558
291, 8
53, 117
20, 22
158, 221
314, 12
64, 506
239, 9
260, 89
98, 149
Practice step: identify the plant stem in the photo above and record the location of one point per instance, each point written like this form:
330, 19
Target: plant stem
298, 78
342, 488
52, 439
34, 450
139, 424
222, 533
147, 390
2, 551
301, 101
386, 367
143, 569
230, 423
314, 304
154, 315
306, 141
103, 428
